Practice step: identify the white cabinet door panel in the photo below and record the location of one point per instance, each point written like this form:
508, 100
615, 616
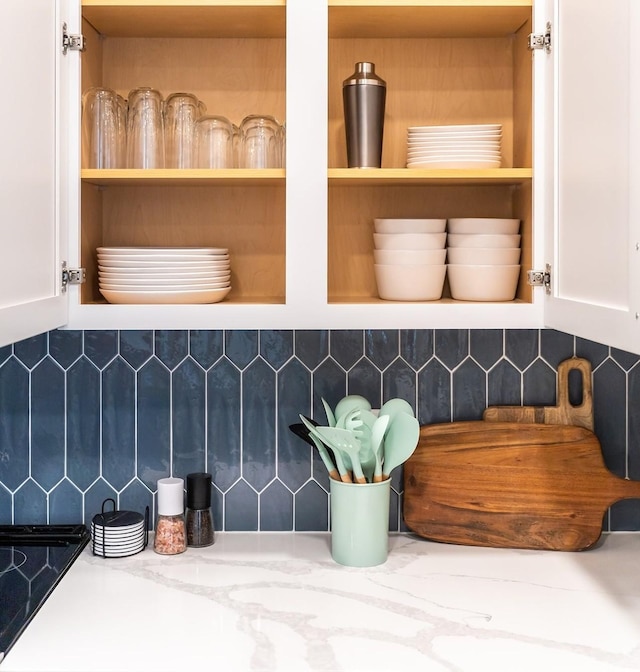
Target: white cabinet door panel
30, 297
594, 257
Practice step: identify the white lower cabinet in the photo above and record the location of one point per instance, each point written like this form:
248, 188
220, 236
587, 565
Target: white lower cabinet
300, 237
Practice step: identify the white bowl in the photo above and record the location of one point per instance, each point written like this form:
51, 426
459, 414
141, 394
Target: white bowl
409, 225
483, 225
410, 257
409, 283
483, 283
409, 241
483, 255
483, 240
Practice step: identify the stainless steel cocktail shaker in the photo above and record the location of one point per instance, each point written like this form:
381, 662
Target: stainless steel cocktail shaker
364, 95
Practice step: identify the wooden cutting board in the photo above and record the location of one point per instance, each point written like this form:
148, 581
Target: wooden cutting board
506, 484
564, 412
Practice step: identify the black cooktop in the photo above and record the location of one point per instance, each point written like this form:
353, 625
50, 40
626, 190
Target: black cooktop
33, 559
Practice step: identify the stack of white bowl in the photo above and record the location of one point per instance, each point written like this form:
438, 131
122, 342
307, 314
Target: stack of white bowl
164, 274
458, 146
409, 256
483, 256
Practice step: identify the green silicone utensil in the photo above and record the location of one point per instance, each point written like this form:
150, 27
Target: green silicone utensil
343, 469
400, 442
303, 432
343, 441
331, 418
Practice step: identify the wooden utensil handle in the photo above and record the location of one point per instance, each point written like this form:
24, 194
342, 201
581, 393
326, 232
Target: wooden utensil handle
564, 412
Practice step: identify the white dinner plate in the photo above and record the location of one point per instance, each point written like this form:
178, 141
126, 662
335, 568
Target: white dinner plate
159, 257
165, 297
124, 287
480, 135
455, 128
457, 153
448, 163
142, 265
163, 250
127, 274
162, 282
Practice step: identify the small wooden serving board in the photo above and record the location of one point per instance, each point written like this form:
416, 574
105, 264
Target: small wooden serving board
510, 484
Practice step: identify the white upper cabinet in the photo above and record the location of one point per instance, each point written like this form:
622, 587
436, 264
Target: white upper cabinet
300, 237
593, 230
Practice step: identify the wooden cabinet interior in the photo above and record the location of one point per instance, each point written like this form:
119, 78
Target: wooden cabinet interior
444, 63
233, 59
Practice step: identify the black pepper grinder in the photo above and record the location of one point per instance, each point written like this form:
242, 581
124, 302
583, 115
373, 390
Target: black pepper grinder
199, 516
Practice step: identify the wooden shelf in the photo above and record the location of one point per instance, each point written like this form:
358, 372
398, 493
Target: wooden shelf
408, 176
184, 177
188, 18
427, 18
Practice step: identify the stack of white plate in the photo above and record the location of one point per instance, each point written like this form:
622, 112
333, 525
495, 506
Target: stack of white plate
117, 534
459, 146
483, 257
409, 258
164, 274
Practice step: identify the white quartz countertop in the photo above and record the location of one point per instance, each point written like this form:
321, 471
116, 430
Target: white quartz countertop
277, 601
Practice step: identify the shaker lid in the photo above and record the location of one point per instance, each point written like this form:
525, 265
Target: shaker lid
365, 74
198, 491
170, 496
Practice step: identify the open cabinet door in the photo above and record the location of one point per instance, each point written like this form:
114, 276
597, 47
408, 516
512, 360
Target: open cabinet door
592, 235
33, 190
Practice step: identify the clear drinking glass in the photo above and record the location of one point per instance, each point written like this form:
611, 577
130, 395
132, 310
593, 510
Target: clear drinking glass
214, 142
181, 110
145, 129
260, 142
102, 133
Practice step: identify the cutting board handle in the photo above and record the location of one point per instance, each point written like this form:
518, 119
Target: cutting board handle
564, 412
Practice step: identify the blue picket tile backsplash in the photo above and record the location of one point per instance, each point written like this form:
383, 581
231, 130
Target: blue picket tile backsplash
96, 414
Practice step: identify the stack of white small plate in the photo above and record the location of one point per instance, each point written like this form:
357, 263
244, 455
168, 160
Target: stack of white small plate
459, 146
164, 274
483, 255
117, 534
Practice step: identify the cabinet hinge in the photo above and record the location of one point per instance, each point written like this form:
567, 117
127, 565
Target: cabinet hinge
73, 42
541, 41
540, 278
72, 276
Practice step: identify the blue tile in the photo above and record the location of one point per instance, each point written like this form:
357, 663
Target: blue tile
83, 423
14, 427
539, 385
399, 381
276, 508
610, 415
241, 346
6, 506
366, 380
311, 347
217, 504
276, 347
65, 504
65, 346
382, 346
556, 346
154, 423
417, 346
30, 504
521, 346
224, 405
100, 347
136, 497
31, 350
95, 497
47, 423
346, 346
504, 385
258, 424
5, 353
118, 423
171, 347
486, 346
188, 418
329, 383
312, 509
294, 397
469, 391
626, 360
136, 347
633, 437
206, 346
451, 346
434, 394
594, 352
241, 508
625, 516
